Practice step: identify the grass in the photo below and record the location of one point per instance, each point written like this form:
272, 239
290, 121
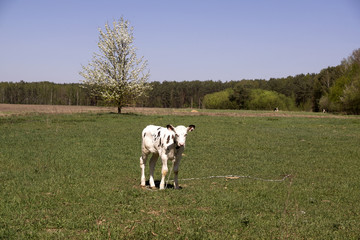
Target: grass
77, 177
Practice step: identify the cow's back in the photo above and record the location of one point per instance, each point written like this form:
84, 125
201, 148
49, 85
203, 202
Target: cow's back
158, 139
149, 137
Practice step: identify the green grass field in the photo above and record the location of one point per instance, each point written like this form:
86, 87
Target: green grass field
78, 177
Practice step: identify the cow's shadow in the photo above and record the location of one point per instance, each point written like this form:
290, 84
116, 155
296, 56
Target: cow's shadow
157, 184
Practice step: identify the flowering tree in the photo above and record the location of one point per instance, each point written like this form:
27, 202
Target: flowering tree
115, 74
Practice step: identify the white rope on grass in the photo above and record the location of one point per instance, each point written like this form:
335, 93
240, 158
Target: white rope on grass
227, 177
238, 176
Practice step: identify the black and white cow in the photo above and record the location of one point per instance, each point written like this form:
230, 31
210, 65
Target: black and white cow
168, 144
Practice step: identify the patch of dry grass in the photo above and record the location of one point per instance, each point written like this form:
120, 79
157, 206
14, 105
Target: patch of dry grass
24, 109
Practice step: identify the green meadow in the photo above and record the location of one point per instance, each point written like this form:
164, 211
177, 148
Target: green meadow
77, 176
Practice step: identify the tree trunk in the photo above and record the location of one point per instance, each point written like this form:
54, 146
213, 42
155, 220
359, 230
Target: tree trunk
119, 110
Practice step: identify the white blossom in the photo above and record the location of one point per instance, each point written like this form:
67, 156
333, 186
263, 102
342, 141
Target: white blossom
116, 74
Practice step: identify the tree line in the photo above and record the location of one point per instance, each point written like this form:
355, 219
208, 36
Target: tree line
167, 94
46, 93
335, 89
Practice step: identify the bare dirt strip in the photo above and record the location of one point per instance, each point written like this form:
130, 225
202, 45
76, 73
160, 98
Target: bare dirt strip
25, 109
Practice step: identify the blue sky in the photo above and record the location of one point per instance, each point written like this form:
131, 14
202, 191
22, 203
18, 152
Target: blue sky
44, 40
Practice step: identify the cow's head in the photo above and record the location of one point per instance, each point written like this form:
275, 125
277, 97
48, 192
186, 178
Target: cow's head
180, 133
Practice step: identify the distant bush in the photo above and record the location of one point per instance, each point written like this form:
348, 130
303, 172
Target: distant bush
219, 100
268, 100
350, 99
344, 95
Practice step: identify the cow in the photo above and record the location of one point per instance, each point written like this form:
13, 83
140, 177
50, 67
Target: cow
168, 144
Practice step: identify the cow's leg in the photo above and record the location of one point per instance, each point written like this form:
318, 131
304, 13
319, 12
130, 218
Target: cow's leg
153, 160
142, 166
164, 171
176, 171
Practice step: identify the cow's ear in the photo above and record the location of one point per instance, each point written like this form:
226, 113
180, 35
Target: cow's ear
170, 127
191, 128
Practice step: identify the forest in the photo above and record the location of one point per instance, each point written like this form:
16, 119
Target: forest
333, 89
